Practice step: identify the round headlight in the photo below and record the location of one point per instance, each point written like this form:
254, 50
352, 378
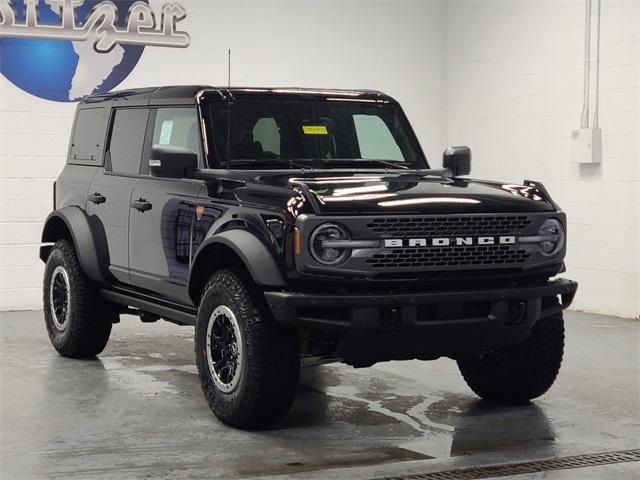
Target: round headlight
552, 236
329, 255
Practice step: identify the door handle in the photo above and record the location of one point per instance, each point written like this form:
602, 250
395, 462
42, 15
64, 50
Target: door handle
97, 198
141, 205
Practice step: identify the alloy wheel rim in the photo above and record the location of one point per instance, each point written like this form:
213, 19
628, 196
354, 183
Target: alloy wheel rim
224, 349
60, 297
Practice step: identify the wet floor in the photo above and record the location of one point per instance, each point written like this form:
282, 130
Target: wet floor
137, 412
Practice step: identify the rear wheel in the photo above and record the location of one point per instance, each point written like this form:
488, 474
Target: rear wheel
518, 374
78, 319
247, 363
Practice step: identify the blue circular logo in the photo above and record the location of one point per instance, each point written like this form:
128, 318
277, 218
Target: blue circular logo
66, 70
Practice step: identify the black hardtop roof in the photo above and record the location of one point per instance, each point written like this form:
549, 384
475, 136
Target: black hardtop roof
186, 94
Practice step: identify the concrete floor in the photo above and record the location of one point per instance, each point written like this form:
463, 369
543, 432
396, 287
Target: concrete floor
138, 412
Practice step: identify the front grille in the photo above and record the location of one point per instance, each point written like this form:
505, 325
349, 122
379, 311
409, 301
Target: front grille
451, 256
449, 226
424, 257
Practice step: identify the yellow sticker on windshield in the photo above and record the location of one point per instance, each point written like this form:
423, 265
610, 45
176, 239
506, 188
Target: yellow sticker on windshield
315, 130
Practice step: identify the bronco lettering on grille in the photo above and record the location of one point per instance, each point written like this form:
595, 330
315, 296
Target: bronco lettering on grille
446, 242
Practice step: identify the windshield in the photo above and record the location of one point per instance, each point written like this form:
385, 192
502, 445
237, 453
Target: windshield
293, 133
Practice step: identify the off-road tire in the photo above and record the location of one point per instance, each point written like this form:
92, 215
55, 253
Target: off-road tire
523, 372
88, 319
270, 361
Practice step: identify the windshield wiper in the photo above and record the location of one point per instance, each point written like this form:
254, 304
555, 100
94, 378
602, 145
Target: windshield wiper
390, 164
369, 160
241, 162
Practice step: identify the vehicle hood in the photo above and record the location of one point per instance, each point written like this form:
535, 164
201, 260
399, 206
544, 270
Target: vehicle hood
374, 192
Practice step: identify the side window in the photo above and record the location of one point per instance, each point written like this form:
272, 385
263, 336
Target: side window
267, 133
375, 140
127, 138
178, 127
88, 136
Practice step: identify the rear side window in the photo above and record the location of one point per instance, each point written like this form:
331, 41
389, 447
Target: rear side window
127, 138
88, 136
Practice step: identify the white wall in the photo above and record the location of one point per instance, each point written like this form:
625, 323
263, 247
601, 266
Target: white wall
514, 93
502, 76
391, 46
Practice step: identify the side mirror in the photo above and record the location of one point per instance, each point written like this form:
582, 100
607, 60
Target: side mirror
458, 160
171, 162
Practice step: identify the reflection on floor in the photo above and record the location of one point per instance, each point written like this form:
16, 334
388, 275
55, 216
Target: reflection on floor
137, 412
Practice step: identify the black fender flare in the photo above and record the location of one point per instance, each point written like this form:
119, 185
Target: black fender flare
90, 245
253, 253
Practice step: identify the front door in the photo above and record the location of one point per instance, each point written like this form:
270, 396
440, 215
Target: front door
163, 212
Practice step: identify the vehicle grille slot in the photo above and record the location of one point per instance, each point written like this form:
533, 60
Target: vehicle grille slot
455, 256
386, 227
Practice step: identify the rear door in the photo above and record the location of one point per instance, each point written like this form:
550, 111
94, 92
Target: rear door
161, 226
85, 157
109, 195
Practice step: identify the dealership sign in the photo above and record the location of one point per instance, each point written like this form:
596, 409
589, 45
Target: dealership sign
65, 49
141, 28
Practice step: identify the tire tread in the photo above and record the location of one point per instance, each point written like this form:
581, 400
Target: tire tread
272, 356
531, 368
90, 317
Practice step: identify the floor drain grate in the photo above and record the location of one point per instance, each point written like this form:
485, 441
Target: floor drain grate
577, 461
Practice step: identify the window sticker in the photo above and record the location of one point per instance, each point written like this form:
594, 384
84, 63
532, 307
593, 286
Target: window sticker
165, 132
315, 130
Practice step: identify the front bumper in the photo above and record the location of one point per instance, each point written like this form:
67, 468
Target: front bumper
427, 325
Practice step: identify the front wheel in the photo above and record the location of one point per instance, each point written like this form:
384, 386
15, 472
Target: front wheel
518, 374
247, 363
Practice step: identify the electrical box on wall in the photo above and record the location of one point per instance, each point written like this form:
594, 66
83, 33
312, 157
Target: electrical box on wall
586, 145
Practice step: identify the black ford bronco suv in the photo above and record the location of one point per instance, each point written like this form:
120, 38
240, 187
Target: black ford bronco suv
293, 226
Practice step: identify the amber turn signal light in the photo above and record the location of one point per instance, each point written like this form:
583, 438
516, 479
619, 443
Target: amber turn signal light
297, 241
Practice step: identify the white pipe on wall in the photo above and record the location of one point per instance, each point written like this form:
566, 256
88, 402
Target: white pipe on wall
597, 73
584, 122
